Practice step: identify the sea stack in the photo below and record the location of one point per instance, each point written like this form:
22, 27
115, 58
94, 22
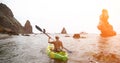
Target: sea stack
28, 27
104, 26
63, 31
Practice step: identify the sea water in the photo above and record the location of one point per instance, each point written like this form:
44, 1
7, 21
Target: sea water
32, 49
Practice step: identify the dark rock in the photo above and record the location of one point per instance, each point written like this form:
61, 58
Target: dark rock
28, 27
25, 34
104, 26
8, 23
67, 36
76, 36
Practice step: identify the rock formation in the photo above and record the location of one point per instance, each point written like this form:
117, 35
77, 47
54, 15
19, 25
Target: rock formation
28, 27
76, 36
63, 31
8, 23
104, 26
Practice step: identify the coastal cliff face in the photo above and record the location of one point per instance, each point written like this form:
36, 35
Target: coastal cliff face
8, 23
28, 27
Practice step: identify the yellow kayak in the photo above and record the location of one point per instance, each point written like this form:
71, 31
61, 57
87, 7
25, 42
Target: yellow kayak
63, 56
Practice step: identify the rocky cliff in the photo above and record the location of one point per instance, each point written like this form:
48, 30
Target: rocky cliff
8, 23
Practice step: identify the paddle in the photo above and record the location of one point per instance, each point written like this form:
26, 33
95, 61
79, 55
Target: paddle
44, 31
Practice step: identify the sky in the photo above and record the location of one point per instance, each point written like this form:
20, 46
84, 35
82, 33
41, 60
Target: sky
75, 15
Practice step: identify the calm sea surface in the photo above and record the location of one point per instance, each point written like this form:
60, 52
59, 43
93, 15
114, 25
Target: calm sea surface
90, 48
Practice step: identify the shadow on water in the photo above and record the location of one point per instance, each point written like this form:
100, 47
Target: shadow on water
56, 61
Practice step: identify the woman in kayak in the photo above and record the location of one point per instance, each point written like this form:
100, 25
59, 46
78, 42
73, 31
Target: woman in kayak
58, 46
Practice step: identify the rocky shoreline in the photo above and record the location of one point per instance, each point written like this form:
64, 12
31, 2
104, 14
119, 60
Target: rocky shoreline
4, 36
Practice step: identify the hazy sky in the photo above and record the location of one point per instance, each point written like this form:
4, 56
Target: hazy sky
74, 15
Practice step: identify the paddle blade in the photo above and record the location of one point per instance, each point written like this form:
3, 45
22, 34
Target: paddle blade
38, 28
